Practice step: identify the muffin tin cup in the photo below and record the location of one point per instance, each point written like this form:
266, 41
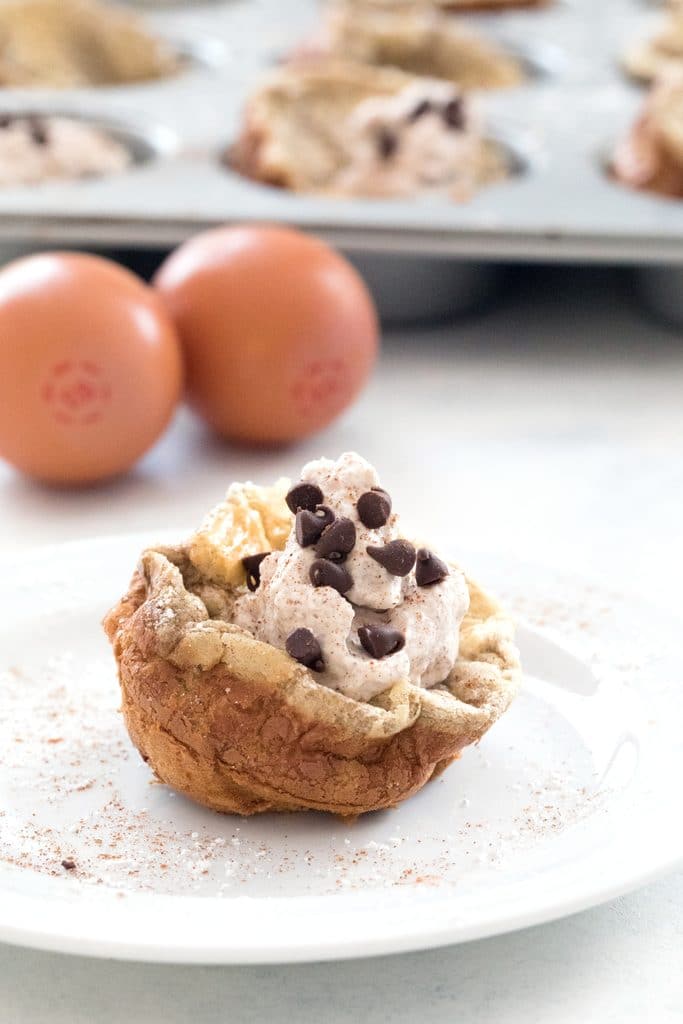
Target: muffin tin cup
558, 126
145, 143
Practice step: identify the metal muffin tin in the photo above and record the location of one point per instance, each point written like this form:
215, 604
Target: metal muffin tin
560, 125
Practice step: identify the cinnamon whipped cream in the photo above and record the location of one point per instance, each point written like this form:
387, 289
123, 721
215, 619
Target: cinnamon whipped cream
36, 149
349, 597
422, 139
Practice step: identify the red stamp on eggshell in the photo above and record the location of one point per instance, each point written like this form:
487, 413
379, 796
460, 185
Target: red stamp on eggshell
322, 384
76, 392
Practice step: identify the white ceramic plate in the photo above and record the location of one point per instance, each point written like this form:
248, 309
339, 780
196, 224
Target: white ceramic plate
567, 802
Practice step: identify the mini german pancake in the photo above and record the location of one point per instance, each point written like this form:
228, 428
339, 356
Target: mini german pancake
419, 40
462, 6
660, 55
298, 652
345, 129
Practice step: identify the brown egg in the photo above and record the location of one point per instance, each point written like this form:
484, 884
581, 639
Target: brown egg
90, 367
279, 331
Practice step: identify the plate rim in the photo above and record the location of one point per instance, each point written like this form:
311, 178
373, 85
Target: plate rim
85, 936
311, 951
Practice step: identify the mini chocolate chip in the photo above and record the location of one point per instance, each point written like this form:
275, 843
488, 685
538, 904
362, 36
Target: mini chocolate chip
422, 108
328, 574
304, 495
325, 515
337, 540
379, 641
252, 564
374, 508
429, 569
454, 114
38, 129
69, 865
6, 120
309, 525
304, 648
387, 143
397, 557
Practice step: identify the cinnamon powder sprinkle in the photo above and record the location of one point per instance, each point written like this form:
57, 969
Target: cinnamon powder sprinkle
78, 800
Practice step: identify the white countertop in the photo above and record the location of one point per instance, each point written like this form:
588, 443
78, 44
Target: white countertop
555, 422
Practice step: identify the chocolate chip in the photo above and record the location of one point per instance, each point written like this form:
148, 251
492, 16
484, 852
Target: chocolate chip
454, 114
379, 641
422, 108
252, 564
6, 120
304, 648
374, 508
304, 495
324, 515
429, 569
38, 130
397, 557
309, 525
387, 143
337, 540
328, 574
69, 865
306, 528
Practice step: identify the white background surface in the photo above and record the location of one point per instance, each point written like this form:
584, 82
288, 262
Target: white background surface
550, 427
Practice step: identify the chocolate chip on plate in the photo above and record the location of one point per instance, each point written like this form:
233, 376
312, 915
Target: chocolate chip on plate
304, 495
454, 114
397, 557
420, 109
379, 641
309, 525
302, 645
337, 540
324, 573
374, 508
429, 568
252, 565
387, 143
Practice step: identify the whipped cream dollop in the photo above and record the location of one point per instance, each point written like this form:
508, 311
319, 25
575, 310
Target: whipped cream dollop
362, 621
423, 138
35, 149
